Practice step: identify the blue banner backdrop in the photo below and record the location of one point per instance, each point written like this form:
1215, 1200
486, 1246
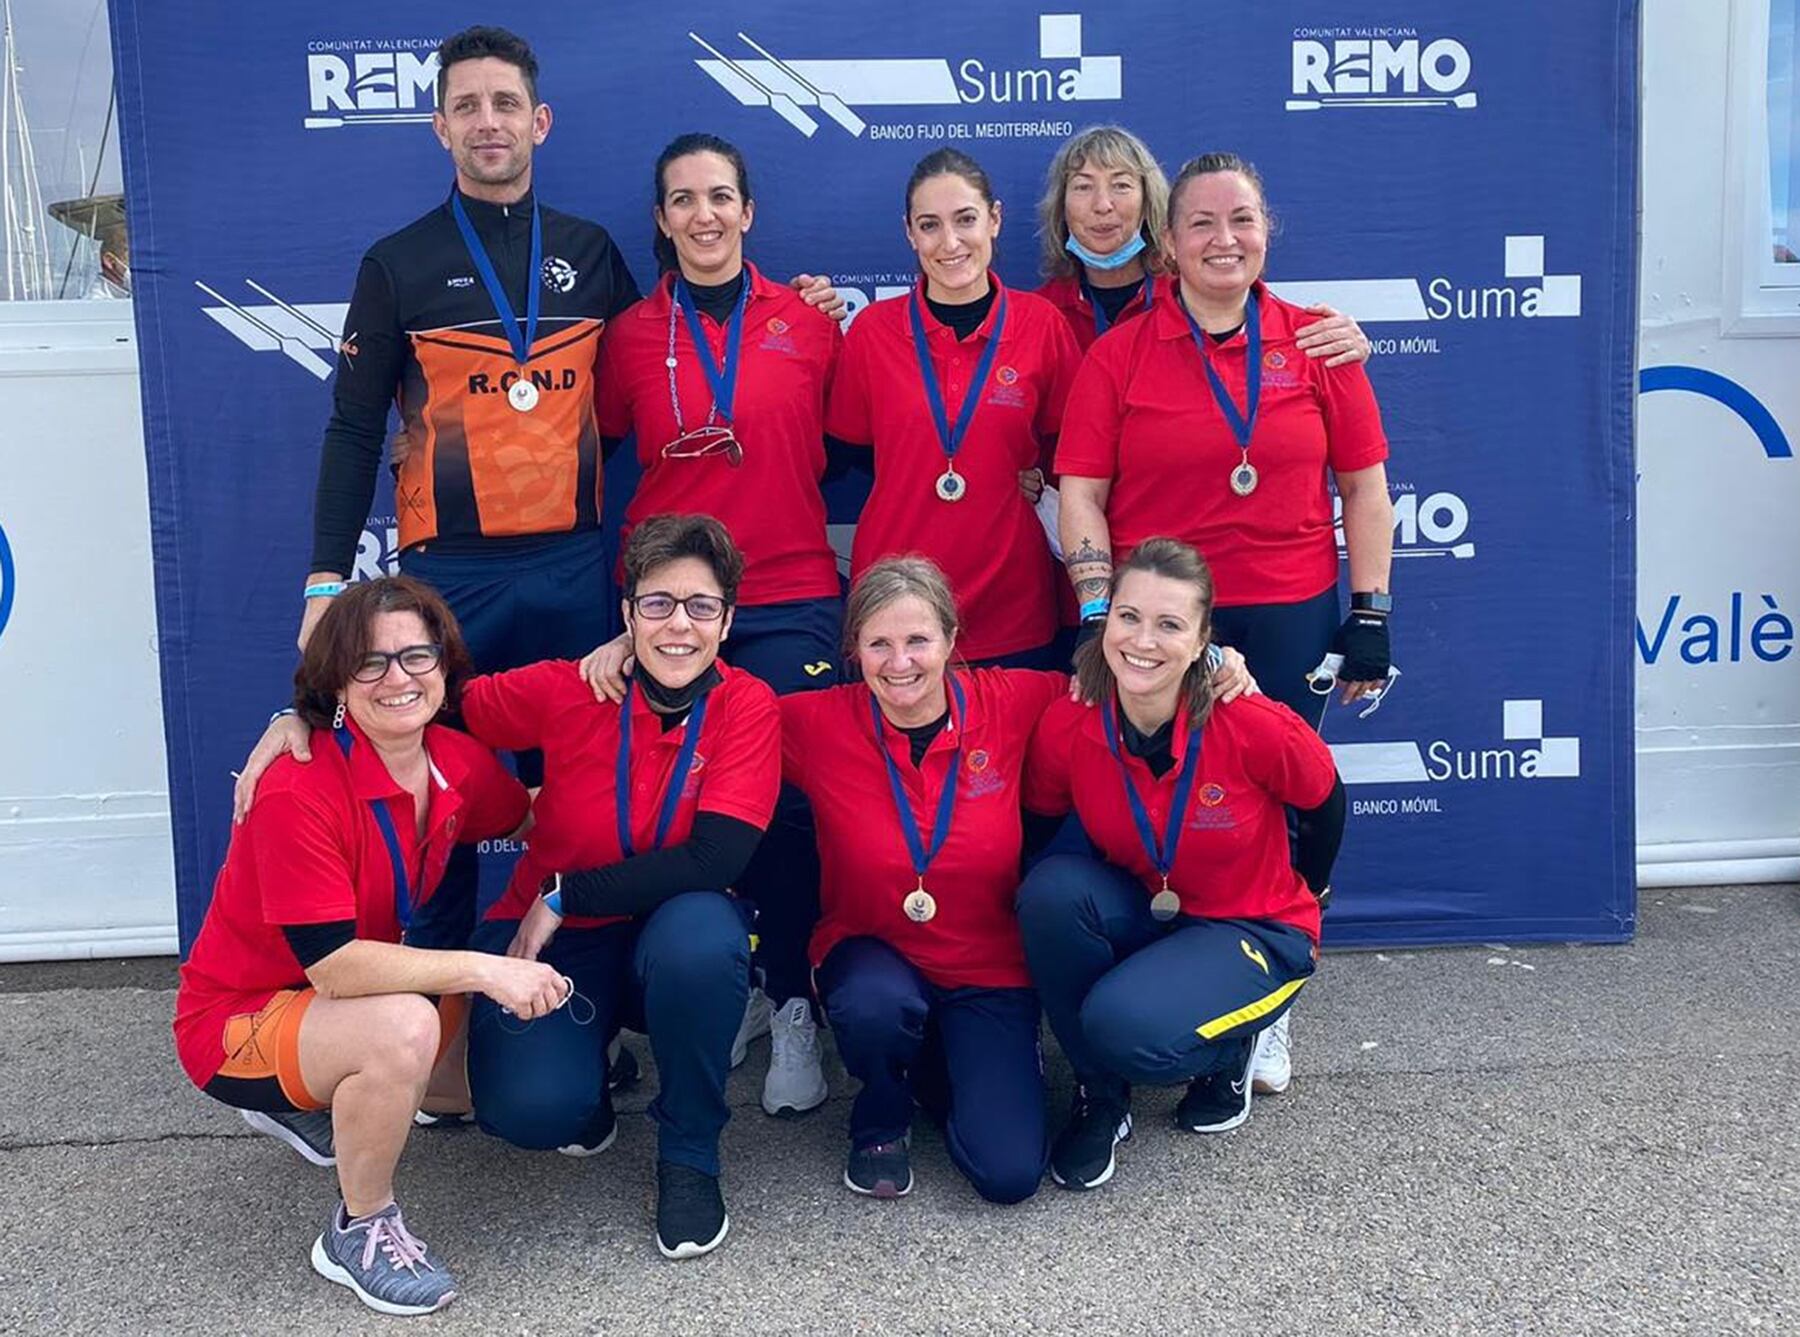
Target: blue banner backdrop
1461, 179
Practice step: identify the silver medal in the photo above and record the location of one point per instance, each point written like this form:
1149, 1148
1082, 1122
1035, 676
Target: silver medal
950, 485
920, 906
1243, 478
1165, 905
522, 395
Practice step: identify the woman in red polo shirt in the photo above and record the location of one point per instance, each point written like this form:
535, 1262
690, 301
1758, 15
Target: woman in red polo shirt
649, 813
914, 775
722, 375
1164, 959
1205, 422
959, 386
299, 993
1101, 222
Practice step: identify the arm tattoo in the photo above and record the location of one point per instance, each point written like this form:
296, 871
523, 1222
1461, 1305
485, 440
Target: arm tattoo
1085, 555
1094, 588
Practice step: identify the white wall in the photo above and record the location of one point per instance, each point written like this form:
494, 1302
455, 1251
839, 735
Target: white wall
85, 862
1718, 742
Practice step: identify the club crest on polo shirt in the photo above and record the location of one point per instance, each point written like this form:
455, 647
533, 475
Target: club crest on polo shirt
776, 338
981, 777
691, 787
1007, 389
1211, 812
1280, 369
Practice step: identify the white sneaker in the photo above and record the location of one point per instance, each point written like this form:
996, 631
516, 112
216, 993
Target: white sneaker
758, 1011
1274, 1064
795, 1083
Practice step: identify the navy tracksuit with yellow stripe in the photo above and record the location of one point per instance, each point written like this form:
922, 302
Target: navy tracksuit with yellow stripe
1135, 1000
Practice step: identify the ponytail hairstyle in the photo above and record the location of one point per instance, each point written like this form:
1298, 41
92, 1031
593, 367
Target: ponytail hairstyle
1173, 560
680, 147
1206, 164
890, 580
947, 161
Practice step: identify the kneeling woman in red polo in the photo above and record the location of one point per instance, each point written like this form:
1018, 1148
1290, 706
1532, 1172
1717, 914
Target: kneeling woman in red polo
650, 810
914, 775
1164, 959
299, 993
649, 813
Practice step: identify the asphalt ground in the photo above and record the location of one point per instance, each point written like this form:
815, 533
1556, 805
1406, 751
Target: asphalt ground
1488, 1140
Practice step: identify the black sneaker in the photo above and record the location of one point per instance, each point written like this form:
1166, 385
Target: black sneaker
307, 1132
601, 1133
881, 1171
428, 1119
622, 1071
1082, 1156
1220, 1101
690, 1211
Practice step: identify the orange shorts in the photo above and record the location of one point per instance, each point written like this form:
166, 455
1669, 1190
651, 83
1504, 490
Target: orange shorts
266, 1043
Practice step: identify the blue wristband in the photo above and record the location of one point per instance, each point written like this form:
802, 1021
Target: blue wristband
1095, 608
329, 589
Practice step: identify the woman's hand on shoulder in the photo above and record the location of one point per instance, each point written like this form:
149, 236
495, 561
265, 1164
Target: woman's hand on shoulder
1334, 336
1232, 678
286, 735
817, 292
607, 669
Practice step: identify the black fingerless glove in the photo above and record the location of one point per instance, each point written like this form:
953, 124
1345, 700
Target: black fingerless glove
1090, 628
1363, 642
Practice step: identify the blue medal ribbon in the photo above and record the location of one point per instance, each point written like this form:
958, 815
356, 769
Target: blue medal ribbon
951, 438
1161, 853
684, 762
520, 334
1146, 290
1242, 424
384, 821
723, 382
923, 854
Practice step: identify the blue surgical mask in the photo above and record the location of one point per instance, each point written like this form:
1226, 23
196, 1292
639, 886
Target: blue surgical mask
1117, 260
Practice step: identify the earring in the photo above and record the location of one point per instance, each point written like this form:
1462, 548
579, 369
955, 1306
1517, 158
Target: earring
337, 718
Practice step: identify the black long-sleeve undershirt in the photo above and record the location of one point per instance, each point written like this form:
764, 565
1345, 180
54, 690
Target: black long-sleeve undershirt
714, 855
312, 943
1320, 834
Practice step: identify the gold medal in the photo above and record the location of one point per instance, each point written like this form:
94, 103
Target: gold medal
950, 485
920, 905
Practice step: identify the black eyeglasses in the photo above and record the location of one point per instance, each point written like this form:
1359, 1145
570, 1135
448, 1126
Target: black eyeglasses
414, 660
658, 606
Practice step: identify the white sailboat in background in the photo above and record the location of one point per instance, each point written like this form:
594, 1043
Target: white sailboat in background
30, 273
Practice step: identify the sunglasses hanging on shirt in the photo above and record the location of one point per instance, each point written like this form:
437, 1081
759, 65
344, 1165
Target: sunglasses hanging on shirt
715, 437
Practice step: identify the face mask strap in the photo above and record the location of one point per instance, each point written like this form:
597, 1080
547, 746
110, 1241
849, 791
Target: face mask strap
1117, 260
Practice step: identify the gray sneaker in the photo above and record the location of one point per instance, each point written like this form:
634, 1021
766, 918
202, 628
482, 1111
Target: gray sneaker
795, 1082
307, 1132
376, 1256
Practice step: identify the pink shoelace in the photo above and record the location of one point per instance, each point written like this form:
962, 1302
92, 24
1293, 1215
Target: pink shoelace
389, 1234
